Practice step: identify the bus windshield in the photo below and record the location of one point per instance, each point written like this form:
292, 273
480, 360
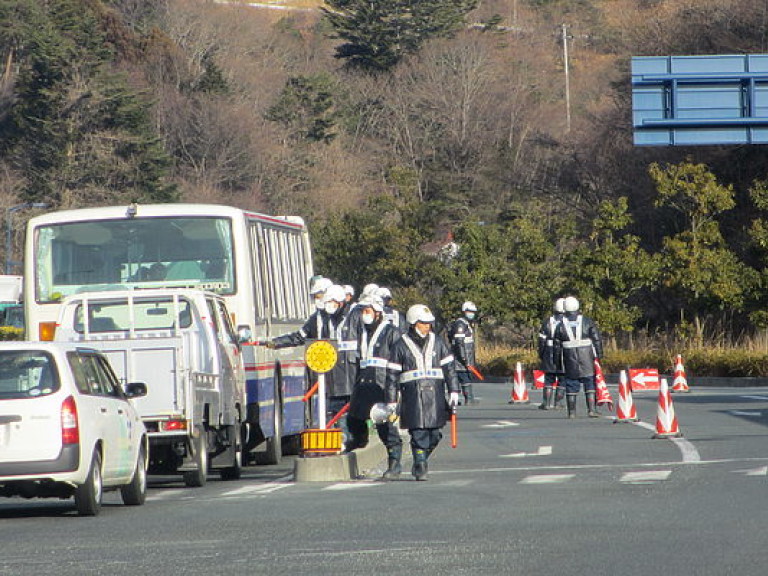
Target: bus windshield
133, 253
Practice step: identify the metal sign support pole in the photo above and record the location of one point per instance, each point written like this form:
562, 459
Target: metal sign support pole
321, 400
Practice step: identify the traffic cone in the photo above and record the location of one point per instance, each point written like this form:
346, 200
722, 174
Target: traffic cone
680, 383
603, 395
519, 391
666, 421
626, 411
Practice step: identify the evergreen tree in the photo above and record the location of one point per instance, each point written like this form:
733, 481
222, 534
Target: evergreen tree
77, 131
378, 34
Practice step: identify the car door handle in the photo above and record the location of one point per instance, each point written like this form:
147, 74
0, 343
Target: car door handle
120, 411
103, 410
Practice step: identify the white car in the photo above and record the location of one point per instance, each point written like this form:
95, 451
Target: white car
67, 428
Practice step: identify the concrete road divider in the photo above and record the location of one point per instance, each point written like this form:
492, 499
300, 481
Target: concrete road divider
341, 467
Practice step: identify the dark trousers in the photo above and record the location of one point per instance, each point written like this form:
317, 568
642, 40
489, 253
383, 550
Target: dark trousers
425, 439
358, 430
550, 378
573, 385
332, 407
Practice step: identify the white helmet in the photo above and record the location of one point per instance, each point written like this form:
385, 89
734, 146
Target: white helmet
372, 302
560, 305
349, 290
319, 286
336, 293
468, 306
383, 293
369, 289
419, 313
571, 304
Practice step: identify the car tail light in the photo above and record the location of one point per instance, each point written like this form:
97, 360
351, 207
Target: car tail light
170, 425
47, 331
70, 431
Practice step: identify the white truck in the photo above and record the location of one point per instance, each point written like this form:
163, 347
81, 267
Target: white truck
181, 343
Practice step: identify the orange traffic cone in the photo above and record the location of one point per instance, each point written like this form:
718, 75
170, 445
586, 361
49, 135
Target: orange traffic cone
519, 391
680, 383
626, 411
666, 421
603, 395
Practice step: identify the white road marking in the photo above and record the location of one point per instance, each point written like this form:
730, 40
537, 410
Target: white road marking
547, 478
353, 485
763, 398
501, 424
645, 477
267, 488
543, 451
762, 471
687, 450
745, 413
164, 494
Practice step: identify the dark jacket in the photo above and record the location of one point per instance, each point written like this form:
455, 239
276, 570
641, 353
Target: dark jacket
462, 337
315, 328
376, 342
346, 326
396, 318
422, 379
581, 344
550, 349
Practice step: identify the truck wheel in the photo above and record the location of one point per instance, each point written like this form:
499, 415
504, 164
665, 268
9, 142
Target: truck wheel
135, 493
273, 452
88, 495
198, 477
235, 471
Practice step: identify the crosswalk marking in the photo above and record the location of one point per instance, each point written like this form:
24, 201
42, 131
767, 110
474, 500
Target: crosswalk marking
645, 477
547, 478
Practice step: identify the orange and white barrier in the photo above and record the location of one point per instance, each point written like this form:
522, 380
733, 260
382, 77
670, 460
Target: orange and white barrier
680, 383
603, 395
626, 411
519, 391
666, 421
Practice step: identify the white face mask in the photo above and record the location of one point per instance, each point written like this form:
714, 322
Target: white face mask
331, 307
368, 318
470, 315
319, 304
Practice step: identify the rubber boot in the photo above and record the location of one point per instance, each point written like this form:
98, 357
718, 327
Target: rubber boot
559, 397
591, 407
393, 463
546, 399
469, 394
419, 470
570, 400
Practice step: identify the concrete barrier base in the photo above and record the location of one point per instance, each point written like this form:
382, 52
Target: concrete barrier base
341, 467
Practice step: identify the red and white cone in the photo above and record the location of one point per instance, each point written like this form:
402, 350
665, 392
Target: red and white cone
603, 395
626, 411
666, 421
519, 391
680, 383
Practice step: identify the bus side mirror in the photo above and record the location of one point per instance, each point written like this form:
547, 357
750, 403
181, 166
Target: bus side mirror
244, 334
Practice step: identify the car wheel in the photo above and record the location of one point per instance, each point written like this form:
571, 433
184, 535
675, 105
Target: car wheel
88, 495
198, 477
135, 493
235, 471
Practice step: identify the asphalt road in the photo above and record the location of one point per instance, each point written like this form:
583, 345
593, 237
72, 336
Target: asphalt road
526, 492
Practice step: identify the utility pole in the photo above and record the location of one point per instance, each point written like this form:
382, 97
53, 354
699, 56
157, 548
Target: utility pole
567, 81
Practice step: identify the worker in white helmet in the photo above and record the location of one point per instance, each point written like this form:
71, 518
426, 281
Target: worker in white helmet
582, 345
391, 314
422, 369
551, 358
461, 334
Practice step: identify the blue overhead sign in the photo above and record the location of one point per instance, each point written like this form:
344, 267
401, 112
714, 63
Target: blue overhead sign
697, 100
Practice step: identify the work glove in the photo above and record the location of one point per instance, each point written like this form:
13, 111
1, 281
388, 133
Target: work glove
392, 409
269, 344
453, 399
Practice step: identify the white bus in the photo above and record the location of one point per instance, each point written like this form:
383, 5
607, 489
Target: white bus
260, 264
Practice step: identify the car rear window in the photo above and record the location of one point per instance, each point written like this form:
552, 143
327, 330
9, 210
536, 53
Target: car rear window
27, 374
